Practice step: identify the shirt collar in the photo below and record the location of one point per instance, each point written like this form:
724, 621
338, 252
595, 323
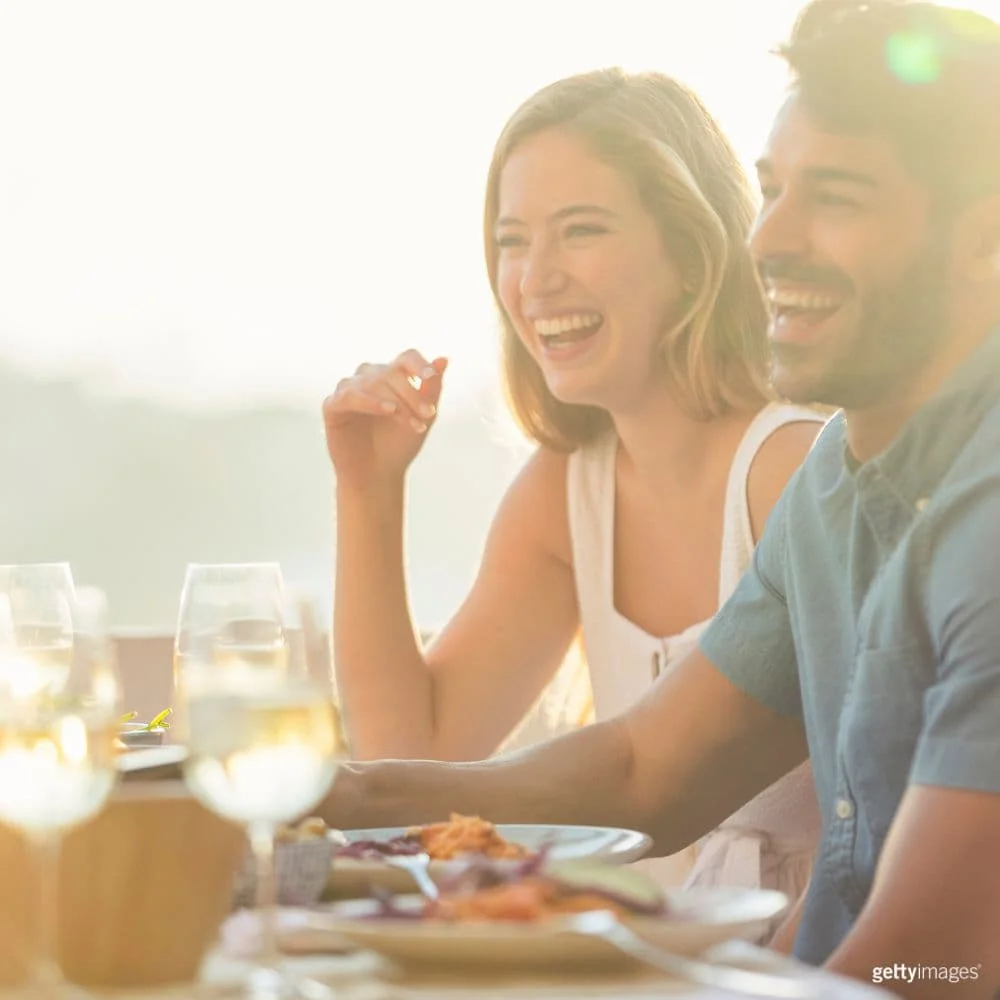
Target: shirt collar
920, 455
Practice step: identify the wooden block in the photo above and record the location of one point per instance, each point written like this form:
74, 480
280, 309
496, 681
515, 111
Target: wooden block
144, 888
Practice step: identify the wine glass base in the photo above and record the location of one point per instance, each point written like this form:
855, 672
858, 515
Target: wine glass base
272, 984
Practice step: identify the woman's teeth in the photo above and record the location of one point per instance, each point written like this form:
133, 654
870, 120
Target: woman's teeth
802, 301
569, 328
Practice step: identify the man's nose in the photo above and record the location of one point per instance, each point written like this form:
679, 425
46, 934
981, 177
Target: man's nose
781, 229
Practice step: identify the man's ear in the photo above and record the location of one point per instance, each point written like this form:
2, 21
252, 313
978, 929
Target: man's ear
978, 241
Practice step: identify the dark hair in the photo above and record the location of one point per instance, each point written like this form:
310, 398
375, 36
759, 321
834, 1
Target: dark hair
925, 76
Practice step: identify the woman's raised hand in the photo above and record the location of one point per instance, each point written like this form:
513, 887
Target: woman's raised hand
377, 419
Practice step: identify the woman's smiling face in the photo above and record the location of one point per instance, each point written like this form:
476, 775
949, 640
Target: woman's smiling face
582, 272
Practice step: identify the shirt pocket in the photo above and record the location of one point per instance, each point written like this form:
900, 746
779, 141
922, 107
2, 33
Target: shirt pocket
881, 724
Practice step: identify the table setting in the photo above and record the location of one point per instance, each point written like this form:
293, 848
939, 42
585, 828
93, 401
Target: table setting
176, 855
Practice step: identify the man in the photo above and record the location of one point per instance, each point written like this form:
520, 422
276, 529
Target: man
870, 621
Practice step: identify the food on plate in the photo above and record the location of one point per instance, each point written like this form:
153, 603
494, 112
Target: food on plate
459, 836
312, 828
536, 890
467, 835
376, 850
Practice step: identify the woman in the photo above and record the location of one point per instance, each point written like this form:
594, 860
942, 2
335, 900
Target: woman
634, 353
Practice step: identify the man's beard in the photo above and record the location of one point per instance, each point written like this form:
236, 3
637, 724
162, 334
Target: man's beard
898, 331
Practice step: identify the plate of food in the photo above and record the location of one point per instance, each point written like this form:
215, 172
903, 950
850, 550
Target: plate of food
359, 864
491, 914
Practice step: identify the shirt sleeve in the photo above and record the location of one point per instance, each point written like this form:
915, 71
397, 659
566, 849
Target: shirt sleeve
750, 640
959, 744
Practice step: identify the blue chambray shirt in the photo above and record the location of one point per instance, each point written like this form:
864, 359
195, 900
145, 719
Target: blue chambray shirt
872, 609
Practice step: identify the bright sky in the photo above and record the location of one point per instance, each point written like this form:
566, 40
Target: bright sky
213, 199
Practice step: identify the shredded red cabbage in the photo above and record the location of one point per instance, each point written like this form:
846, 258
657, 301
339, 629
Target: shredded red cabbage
375, 850
476, 873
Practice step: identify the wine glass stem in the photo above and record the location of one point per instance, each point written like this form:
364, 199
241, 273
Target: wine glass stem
262, 843
46, 974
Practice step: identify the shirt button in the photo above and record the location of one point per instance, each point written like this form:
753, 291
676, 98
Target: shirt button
921, 505
844, 809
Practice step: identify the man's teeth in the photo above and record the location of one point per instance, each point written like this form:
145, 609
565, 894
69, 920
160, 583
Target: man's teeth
566, 324
786, 298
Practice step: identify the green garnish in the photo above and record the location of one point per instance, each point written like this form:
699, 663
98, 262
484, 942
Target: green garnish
160, 721
128, 716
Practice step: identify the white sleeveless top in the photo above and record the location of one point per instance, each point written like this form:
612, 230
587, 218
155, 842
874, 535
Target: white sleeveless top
770, 841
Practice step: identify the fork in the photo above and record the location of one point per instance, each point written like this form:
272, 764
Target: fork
416, 865
605, 925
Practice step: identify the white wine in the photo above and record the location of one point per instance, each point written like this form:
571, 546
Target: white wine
271, 656
267, 755
39, 662
55, 774
244, 653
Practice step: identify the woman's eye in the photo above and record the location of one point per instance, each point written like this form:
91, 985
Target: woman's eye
507, 240
582, 229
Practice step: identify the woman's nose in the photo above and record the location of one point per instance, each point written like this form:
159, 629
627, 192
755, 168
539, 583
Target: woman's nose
541, 275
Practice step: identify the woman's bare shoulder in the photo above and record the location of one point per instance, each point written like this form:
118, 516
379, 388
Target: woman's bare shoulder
773, 466
536, 502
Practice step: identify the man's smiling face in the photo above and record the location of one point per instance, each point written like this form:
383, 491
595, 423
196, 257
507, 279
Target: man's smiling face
856, 274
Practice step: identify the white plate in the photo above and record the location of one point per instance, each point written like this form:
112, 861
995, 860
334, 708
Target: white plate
351, 877
700, 919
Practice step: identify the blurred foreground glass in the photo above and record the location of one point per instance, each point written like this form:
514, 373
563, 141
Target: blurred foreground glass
36, 618
57, 749
261, 737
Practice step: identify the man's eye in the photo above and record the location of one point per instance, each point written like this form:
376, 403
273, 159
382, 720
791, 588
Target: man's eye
835, 200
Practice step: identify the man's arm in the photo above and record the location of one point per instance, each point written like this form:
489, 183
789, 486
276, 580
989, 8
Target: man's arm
935, 901
690, 753
693, 750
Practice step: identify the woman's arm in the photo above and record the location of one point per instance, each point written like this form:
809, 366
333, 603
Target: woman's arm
783, 940
460, 698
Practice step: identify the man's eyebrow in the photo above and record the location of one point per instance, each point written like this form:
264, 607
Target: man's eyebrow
562, 213
819, 175
842, 176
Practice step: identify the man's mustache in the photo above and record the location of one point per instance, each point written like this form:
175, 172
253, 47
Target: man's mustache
798, 272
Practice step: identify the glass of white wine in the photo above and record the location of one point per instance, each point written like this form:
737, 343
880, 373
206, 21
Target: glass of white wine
261, 737
38, 612
57, 755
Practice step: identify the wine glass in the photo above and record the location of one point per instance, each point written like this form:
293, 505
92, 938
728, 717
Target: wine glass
57, 754
261, 736
37, 620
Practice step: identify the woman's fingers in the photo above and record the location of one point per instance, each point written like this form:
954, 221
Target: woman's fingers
351, 397
407, 389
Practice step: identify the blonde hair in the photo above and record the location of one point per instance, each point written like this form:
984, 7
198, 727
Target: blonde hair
658, 133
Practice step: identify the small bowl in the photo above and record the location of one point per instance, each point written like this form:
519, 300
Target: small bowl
136, 734
302, 868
